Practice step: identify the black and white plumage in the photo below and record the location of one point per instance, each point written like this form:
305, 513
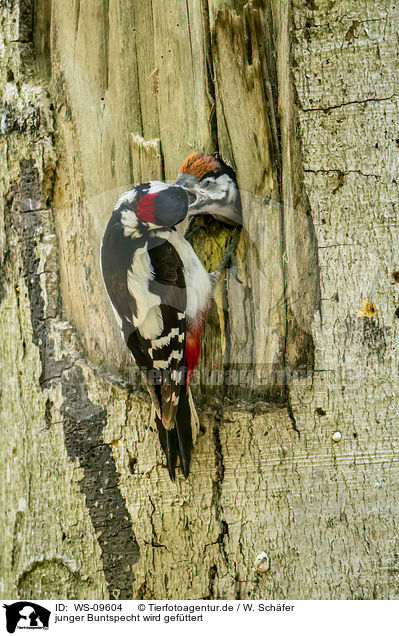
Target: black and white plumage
160, 293
213, 188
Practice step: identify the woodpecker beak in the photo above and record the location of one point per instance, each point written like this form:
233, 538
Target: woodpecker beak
193, 197
223, 203
197, 202
190, 184
197, 199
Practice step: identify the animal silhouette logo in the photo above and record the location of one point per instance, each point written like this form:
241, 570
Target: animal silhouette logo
26, 615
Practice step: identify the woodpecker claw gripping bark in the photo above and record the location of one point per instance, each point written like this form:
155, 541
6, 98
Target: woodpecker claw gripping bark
229, 260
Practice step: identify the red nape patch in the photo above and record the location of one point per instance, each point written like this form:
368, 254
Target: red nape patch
145, 208
199, 164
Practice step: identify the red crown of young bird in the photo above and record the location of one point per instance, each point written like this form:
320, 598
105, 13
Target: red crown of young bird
199, 164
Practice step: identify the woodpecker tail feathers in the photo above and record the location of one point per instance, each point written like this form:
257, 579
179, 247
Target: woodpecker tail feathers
178, 441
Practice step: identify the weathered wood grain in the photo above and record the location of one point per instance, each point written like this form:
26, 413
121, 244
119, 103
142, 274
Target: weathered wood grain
146, 159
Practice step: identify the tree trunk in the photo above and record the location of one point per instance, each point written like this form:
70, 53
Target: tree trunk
297, 390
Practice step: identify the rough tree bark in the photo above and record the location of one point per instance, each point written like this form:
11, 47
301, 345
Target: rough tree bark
301, 98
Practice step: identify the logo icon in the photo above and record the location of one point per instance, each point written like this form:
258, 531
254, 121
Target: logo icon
26, 615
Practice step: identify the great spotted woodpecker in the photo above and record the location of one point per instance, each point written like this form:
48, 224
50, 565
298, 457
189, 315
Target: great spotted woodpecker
160, 292
213, 188
213, 191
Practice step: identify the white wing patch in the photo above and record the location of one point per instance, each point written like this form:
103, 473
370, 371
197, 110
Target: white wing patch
198, 283
149, 317
164, 364
130, 223
158, 343
152, 324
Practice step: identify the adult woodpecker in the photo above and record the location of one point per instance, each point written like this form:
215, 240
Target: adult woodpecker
160, 292
213, 188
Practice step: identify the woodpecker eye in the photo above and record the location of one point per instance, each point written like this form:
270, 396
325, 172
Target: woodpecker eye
206, 183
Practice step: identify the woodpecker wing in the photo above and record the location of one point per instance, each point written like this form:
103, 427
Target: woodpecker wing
167, 352
151, 310
116, 257
157, 285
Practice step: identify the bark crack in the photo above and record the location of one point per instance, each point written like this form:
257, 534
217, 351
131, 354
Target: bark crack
210, 78
327, 109
341, 172
323, 25
154, 543
217, 489
189, 34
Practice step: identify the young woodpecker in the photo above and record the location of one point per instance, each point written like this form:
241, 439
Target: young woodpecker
160, 292
213, 188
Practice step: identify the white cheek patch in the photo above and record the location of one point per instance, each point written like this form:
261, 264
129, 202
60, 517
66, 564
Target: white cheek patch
223, 189
221, 208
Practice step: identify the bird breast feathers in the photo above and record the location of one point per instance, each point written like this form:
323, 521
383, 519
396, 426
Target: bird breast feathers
198, 284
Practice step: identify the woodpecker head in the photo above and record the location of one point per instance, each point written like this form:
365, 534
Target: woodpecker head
152, 206
212, 188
